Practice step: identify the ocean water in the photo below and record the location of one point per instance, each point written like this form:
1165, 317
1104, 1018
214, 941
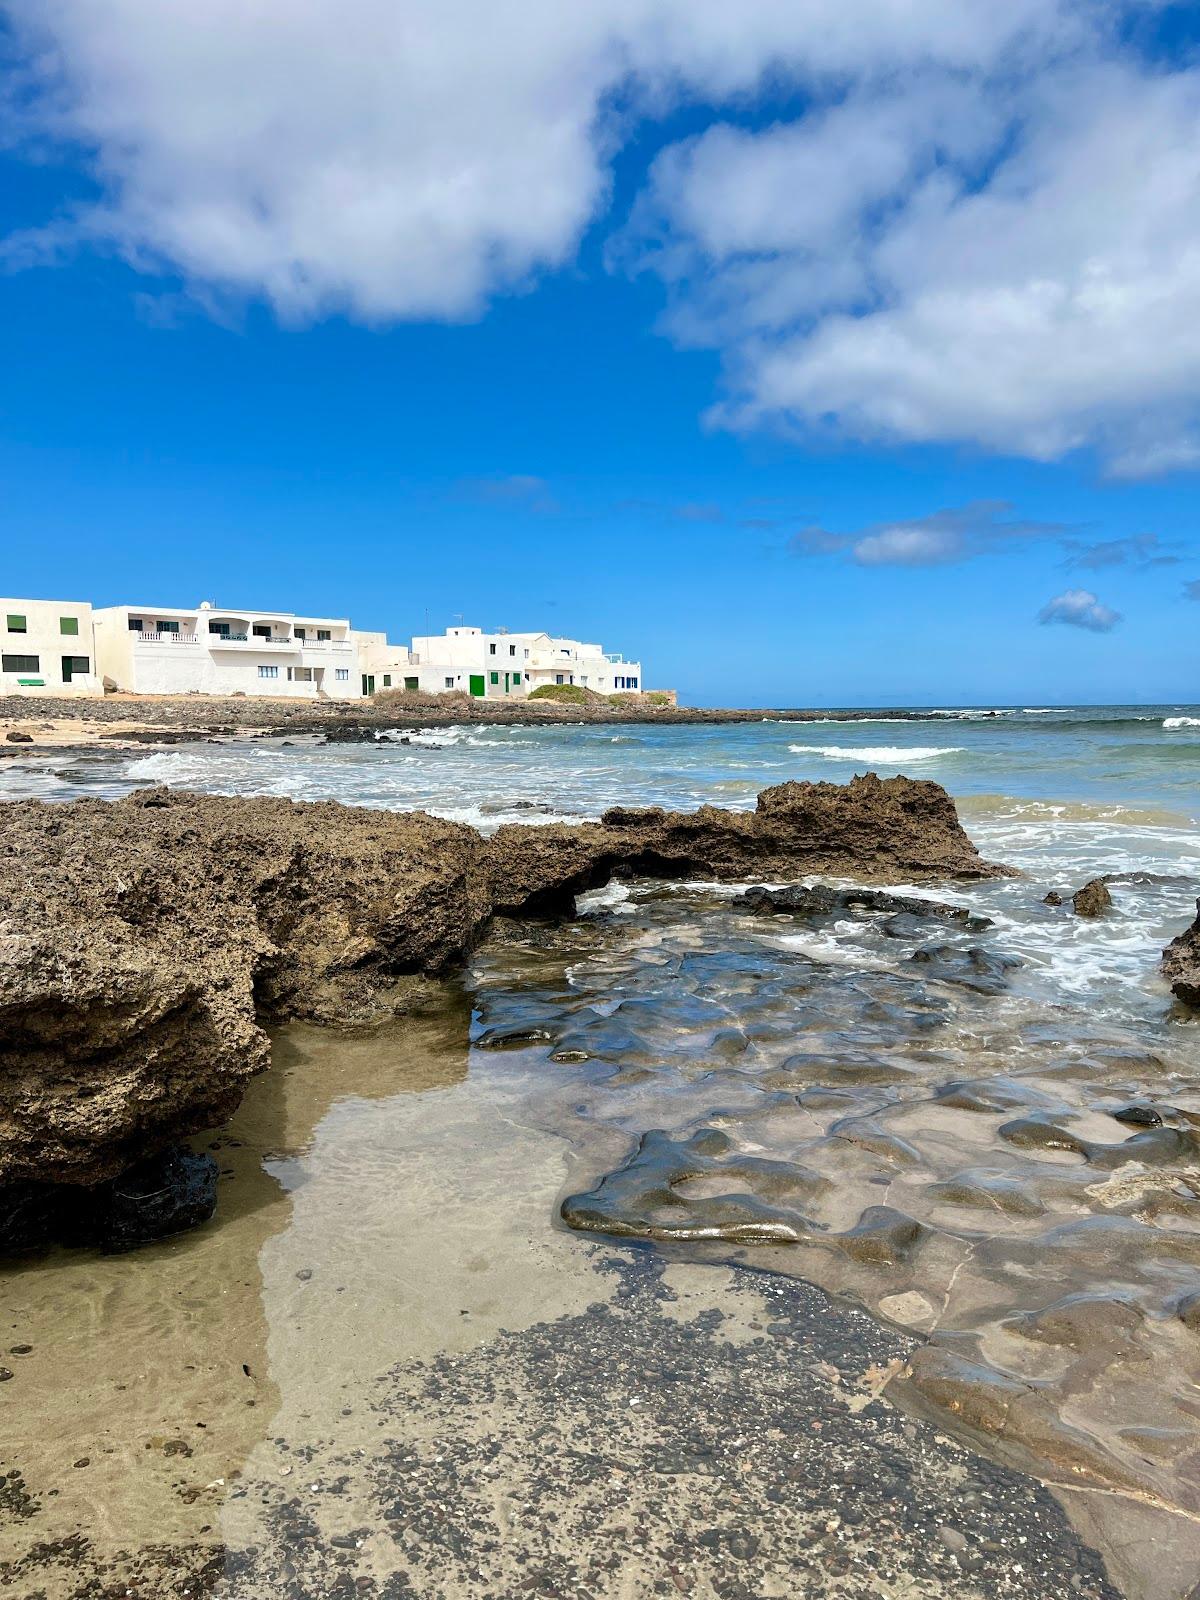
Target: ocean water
985, 1136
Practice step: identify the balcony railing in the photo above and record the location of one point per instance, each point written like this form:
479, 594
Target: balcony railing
149, 636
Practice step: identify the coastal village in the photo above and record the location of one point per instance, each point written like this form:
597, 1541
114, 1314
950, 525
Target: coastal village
71, 648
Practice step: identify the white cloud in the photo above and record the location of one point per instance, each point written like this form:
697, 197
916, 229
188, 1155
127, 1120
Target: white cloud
1017, 268
956, 533
985, 229
1079, 608
410, 158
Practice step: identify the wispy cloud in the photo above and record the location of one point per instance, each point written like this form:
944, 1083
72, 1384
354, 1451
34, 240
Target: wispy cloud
1192, 589
953, 534
1079, 608
1141, 550
518, 489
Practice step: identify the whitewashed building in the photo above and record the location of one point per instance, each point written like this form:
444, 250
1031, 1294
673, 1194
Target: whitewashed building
209, 649
46, 648
505, 665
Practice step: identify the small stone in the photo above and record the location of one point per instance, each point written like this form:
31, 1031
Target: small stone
1053, 898
952, 1539
1137, 1116
304, 1274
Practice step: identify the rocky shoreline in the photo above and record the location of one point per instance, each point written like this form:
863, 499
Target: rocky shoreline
146, 943
28, 726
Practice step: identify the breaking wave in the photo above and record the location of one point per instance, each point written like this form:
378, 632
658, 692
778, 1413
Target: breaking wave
891, 754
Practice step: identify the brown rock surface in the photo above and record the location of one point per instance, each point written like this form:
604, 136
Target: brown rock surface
143, 942
1093, 900
1181, 964
880, 830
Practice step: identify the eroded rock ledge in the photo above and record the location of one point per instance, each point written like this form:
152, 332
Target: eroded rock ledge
145, 942
1181, 964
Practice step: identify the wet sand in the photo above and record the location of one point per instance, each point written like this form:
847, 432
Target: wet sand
382, 1371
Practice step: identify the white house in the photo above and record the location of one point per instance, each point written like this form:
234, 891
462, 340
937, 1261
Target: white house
383, 665
509, 665
46, 648
209, 649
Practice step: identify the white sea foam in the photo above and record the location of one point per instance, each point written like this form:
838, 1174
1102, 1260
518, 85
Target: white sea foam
1181, 722
888, 754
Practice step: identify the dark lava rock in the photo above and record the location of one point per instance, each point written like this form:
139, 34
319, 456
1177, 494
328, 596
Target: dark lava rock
1181, 964
169, 1193
1093, 900
821, 904
355, 735
969, 967
19, 738
1053, 898
1138, 1116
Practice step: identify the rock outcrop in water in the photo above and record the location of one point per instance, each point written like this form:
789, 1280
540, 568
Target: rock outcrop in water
879, 830
144, 942
1181, 964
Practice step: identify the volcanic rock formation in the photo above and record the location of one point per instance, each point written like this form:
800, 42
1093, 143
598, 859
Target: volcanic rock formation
1181, 964
144, 942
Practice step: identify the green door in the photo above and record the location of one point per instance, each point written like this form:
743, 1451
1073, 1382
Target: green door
478, 685
368, 684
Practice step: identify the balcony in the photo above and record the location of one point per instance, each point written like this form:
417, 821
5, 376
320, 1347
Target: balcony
148, 636
255, 640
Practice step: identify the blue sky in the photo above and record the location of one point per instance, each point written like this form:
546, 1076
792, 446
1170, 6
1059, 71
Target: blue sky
734, 378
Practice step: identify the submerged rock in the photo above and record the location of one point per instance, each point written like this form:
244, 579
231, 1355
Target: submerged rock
169, 1193
1181, 964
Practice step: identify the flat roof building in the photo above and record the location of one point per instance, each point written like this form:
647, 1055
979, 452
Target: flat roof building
46, 648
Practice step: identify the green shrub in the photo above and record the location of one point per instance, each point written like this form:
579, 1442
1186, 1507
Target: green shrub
571, 694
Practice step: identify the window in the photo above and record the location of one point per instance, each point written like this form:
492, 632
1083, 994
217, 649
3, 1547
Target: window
221, 629
301, 674
16, 623
342, 674
633, 683
449, 683
387, 680
559, 678
516, 677
492, 649
512, 649
135, 625
326, 633
167, 625
268, 672
75, 664
21, 663
261, 630
412, 683
301, 633
495, 677
527, 655
69, 626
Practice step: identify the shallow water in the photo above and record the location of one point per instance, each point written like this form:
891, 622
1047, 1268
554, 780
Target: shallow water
865, 1106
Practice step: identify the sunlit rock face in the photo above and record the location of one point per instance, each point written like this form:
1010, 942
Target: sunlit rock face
1181, 964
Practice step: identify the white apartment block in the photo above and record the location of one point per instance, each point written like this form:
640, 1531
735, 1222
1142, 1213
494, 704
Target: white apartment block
209, 649
510, 665
46, 648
